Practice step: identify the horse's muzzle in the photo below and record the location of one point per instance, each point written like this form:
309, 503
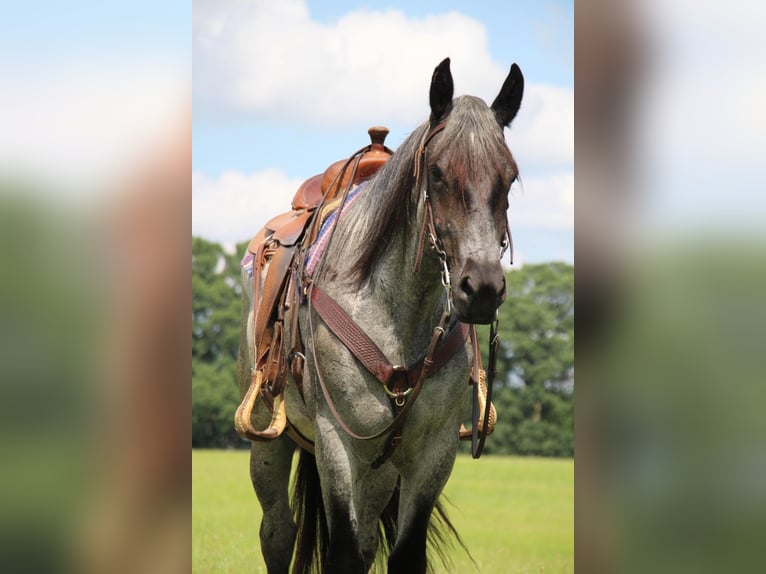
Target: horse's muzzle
480, 291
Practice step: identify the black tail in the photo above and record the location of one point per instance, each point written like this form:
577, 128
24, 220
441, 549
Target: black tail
313, 538
388, 530
441, 533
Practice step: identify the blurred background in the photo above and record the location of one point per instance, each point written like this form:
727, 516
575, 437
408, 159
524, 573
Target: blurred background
95, 207
95, 203
670, 281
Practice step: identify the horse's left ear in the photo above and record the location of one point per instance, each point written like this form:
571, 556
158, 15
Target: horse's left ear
508, 101
442, 88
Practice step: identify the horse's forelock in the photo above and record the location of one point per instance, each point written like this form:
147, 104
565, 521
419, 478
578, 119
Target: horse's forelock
472, 142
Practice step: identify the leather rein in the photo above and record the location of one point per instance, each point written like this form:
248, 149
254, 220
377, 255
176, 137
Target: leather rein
448, 336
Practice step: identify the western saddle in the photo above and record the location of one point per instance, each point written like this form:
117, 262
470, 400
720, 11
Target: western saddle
274, 249
278, 250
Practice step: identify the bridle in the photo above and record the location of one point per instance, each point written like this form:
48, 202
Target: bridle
429, 226
447, 337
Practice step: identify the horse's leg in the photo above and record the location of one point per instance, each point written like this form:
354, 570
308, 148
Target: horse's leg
422, 483
372, 493
344, 553
409, 552
270, 464
270, 461
354, 498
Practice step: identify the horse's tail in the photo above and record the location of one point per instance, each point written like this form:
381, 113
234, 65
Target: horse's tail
313, 538
442, 535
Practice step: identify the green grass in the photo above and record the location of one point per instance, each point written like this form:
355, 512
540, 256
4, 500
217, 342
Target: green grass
516, 515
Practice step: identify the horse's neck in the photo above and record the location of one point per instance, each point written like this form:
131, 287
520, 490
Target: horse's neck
415, 297
408, 302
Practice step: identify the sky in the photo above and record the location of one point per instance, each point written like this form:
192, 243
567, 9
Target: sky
283, 89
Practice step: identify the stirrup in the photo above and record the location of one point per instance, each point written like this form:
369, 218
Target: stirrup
243, 417
465, 434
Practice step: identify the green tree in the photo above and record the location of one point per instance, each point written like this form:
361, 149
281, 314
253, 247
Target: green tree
215, 301
538, 320
533, 391
216, 307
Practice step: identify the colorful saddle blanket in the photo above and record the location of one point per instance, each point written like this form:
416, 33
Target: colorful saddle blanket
328, 215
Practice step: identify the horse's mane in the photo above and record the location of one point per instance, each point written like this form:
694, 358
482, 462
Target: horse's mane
472, 141
376, 214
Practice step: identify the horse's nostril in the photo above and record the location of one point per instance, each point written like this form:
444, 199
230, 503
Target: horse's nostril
465, 286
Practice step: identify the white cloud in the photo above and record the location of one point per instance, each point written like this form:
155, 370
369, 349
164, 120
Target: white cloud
543, 132
235, 206
544, 202
271, 58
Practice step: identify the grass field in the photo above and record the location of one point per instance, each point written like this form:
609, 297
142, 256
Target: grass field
516, 515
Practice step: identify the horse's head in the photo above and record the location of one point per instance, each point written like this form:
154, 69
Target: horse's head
469, 171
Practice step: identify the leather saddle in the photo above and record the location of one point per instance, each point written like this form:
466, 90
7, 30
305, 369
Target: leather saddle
274, 251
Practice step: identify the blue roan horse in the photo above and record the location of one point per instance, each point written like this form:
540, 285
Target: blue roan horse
414, 258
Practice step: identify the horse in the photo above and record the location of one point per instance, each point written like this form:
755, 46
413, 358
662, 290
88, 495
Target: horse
413, 260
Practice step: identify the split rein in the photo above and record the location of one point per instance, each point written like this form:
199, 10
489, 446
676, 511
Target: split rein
396, 379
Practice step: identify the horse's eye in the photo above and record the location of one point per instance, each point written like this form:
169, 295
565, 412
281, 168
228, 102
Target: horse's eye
436, 173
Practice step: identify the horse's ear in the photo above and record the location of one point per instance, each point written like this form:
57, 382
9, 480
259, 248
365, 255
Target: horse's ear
442, 89
508, 101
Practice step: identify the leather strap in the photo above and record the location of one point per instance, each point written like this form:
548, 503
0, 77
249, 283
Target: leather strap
428, 217
349, 333
395, 425
494, 346
365, 349
303, 442
272, 287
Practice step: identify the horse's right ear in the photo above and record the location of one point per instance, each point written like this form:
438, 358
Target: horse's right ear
508, 101
442, 89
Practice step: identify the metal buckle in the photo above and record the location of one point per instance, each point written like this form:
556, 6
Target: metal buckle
401, 396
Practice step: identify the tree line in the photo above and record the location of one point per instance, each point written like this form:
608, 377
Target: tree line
533, 391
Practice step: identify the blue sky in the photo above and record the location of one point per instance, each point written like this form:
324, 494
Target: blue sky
49, 30
280, 92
